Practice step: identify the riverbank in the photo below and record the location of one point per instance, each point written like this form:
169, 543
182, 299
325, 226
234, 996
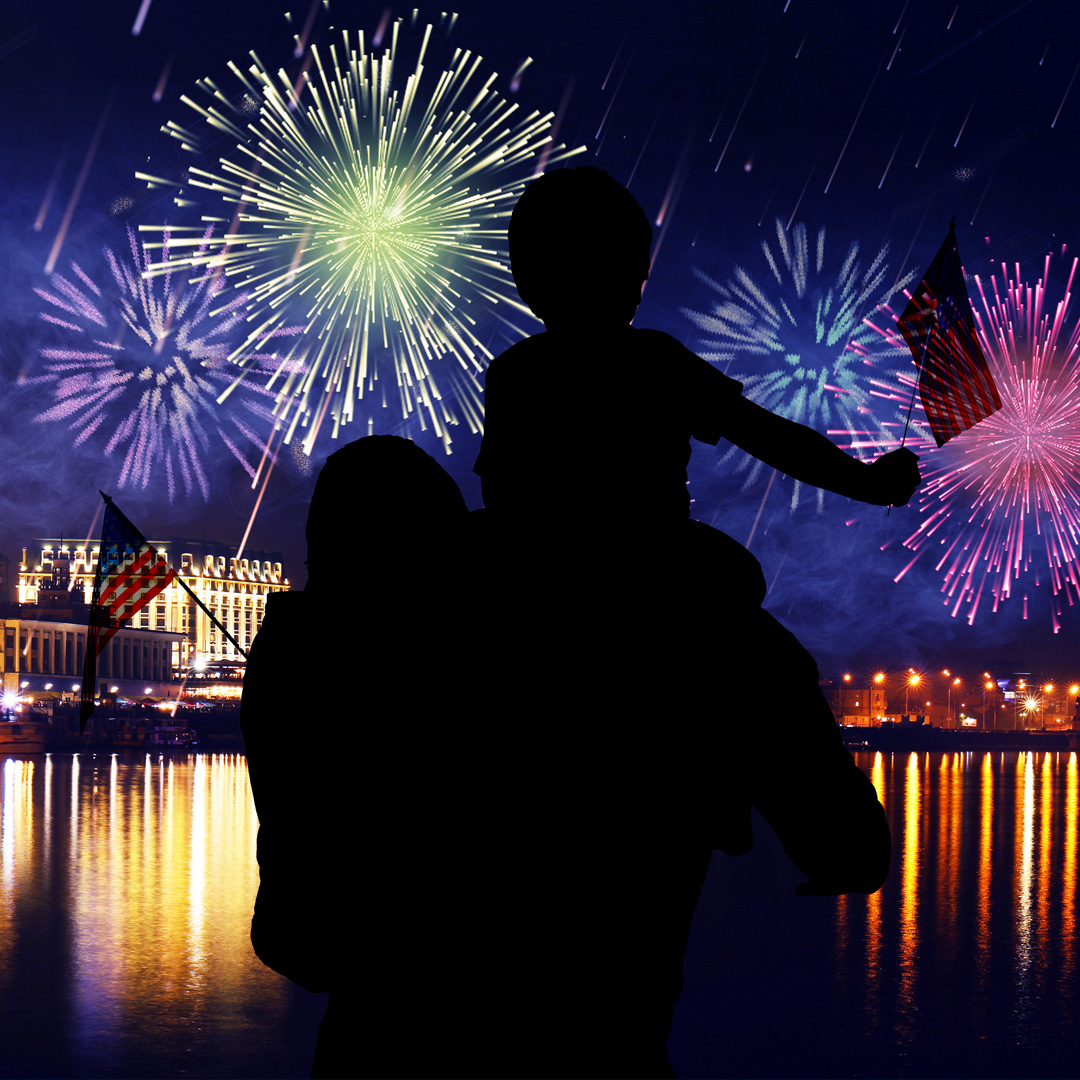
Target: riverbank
901, 737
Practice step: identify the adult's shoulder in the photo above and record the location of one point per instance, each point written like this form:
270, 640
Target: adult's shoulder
519, 353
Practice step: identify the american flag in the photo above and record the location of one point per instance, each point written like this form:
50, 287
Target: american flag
955, 384
130, 573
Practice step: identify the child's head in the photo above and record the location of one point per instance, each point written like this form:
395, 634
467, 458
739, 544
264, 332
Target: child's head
579, 248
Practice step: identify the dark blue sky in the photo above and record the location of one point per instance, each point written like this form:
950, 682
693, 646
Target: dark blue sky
905, 119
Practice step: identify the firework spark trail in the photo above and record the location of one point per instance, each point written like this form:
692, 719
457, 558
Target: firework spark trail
1002, 503
800, 346
147, 359
375, 212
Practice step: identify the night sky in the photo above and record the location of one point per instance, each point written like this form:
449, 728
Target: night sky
877, 122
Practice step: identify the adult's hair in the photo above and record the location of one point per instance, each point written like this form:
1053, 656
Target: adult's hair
384, 487
576, 230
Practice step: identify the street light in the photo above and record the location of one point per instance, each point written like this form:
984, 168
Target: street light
913, 680
955, 682
879, 679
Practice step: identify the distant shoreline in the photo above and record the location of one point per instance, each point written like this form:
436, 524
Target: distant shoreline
925, 737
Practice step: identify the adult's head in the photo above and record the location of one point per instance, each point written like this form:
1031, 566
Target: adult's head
579, 249
380, 492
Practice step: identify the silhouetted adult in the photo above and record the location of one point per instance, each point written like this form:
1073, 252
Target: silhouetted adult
347, 766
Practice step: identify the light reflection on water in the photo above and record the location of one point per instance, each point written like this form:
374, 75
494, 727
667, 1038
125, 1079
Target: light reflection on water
963, 965
128, 884
981, 907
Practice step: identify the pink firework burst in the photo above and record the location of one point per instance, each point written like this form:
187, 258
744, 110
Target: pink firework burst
147, 364
1000, 505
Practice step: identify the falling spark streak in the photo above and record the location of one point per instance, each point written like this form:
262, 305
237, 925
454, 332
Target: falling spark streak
556, 124
146, 364
159, 90
140, 18
720, 116
644, 145
951, 17
671, 199
46, 202
371, 204
900, 17
893, 155
966, 118
971, 37
739, 117
84, 172
768, 203
843, 149
515, 81
1003, 500
899, 42
309, 22
1067, 89
18, 40
806, 184
982, 197
614, 95
927, 143
798, 341
618, 53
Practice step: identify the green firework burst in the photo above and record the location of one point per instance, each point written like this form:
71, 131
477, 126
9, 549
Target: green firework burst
368, 199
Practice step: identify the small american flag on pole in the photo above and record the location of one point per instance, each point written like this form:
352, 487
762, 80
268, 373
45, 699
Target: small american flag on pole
955, 384
130, 573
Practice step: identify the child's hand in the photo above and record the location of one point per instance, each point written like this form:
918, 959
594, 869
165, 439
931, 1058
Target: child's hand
893, 478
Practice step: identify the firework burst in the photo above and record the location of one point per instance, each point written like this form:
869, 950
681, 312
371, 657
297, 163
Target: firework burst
802, 346
155, 353
1001, 504
369, 200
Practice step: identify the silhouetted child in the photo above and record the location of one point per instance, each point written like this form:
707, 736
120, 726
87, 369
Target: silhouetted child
611, 612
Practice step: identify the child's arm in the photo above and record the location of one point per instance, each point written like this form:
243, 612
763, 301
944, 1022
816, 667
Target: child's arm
805, 455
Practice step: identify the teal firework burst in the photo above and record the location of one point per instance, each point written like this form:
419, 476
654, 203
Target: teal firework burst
800, 338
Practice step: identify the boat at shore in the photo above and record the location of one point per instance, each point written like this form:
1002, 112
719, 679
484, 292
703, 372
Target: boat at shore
23, 736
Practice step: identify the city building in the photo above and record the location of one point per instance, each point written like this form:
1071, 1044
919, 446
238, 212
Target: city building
859, 705
57, 576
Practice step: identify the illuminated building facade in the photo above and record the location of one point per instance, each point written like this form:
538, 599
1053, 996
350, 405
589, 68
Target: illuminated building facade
233, 590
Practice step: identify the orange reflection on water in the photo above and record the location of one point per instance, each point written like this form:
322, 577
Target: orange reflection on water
1023, 886
909, 885
1045, 858
159, 885
986, 850
1068, 892
949, 837
873, 902
151, 863
16, 836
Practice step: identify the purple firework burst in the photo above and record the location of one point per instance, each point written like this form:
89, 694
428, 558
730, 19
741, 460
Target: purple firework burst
148, 365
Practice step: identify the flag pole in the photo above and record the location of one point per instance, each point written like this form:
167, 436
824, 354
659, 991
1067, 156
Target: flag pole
142, 539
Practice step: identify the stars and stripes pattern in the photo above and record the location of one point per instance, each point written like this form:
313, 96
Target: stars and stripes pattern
130, 573
955, 385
